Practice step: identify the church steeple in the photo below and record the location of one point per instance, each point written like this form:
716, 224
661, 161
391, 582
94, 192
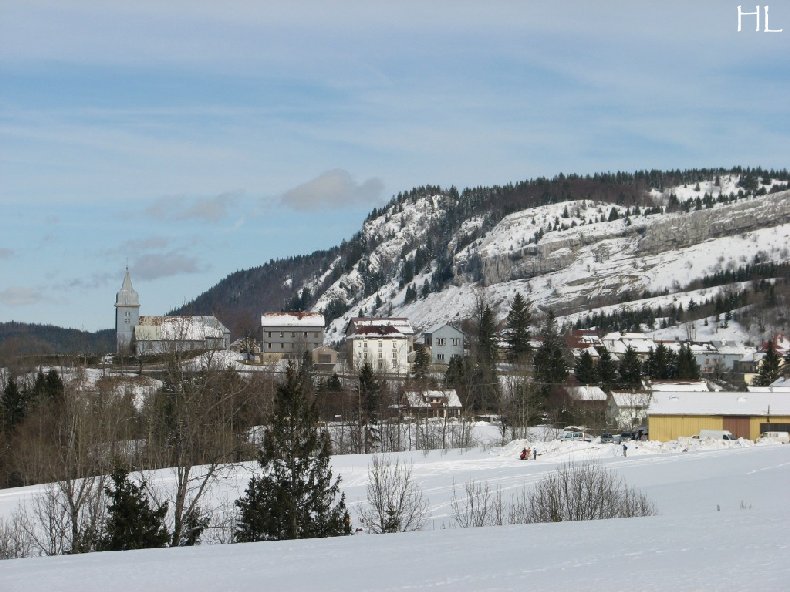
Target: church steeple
127, 296
127, 315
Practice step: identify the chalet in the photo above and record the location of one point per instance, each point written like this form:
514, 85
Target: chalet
432, 403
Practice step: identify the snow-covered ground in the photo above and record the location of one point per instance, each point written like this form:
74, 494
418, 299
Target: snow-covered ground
721, 524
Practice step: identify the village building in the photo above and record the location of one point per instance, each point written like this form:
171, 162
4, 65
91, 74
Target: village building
288, 335
672, 415
381, 345
157, 335
627, 409
432, 403
444, 341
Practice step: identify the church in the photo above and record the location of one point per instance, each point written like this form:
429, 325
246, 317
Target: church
153, 335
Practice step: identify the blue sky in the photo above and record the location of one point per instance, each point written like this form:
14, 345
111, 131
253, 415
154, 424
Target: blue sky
192, 139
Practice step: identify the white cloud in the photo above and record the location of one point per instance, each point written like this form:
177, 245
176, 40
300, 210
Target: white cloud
6, 253
333, 189
158, 265
19, 296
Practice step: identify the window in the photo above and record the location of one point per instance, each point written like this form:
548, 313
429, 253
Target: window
282, 334
305, 333
381, 344
381, 365
365, 344
440, 357
440, 341
268, 346
269, 334
456, 341
394, 353
381, 355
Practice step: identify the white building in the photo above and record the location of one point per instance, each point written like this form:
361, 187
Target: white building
384, 347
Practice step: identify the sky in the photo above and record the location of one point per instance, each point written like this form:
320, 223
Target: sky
191, 139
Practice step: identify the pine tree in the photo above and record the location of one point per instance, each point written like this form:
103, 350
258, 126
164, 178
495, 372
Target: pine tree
607, 368
131, 523
551, 367
769, 368
422, 362
687, 367
295, 495
630, 369
585, 370
14, 404
661, 363
517, 335
370, 397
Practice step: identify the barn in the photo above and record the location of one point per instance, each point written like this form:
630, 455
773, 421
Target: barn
676, 414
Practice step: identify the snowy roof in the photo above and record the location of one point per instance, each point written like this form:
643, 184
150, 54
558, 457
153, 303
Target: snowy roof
627, 399
155, 328
686, 386
378, 331
422, 399
292, 319
586, 393
402, 324
680, 403
774, 388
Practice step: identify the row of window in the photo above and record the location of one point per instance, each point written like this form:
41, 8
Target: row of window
455, 341
293, 333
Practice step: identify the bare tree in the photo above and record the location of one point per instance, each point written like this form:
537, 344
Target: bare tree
395, 500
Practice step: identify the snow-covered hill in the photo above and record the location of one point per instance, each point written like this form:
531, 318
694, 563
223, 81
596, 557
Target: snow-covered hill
573, 257
721, 509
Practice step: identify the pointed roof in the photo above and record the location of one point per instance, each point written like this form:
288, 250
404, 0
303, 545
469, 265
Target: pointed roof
126, 296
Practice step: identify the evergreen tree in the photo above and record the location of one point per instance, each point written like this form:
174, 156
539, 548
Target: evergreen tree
661, 363
486, 337
295, 495
131, 522
14, 404
769, 368
630, 369
551, 367
426, 289
422, 362
687, 367
517, 335
585, 370
607, 368
370, 396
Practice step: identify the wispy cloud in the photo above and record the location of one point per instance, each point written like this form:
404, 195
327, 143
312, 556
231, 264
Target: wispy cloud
6, 253
20, 296
138, 245
91, 282
333, 189
157, 265
205, 209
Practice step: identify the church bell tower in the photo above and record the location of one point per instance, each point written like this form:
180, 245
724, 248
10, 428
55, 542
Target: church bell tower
127, 315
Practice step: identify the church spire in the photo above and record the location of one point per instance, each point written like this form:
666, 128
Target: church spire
126, 296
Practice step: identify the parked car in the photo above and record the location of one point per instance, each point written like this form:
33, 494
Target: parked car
716, 435
576, 436
779, 437
607, 438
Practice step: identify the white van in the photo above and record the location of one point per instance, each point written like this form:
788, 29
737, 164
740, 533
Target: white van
778, 437
716, 435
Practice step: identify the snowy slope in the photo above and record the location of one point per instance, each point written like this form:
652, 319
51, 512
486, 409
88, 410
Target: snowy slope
719, 512
581, 262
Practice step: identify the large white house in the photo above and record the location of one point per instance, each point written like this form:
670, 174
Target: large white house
382, 346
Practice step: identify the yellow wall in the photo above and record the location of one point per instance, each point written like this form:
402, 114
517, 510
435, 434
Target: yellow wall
671, 427
754, 424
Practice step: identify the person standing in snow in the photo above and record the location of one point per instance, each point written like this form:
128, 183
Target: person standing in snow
625, 450
523, 455
535, 454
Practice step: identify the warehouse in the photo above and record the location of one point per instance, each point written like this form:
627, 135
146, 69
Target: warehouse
676, 414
